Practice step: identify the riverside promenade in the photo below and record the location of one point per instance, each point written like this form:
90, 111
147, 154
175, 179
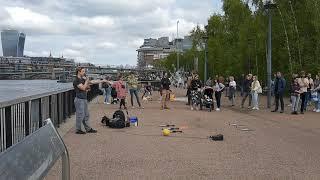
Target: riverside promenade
262, 145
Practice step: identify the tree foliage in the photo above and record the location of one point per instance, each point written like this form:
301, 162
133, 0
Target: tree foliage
237, 41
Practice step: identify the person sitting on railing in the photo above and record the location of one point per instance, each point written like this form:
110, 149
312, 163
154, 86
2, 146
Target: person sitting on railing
81, 86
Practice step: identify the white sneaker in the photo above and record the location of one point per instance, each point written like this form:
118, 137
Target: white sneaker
218, 109
108, 103
318, 110
191, 108
257, 109
254, 108
289, 105
314, 110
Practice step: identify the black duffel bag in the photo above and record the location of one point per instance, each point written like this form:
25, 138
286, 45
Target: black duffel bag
118, 120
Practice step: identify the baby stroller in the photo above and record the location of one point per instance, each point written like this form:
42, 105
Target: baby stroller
195, 96
207, 98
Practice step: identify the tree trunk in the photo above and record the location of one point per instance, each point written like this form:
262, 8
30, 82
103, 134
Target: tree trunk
287, 39
297, 32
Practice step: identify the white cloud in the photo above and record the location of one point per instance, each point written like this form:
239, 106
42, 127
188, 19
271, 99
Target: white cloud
106, 45
100, 31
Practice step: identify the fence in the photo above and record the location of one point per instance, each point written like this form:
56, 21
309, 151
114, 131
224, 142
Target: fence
21, 117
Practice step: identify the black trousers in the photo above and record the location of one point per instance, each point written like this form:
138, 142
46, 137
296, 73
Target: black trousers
123, 102
279, 97
218, 98
303, 100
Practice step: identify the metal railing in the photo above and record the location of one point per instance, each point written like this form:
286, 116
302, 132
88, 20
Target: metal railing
35, 155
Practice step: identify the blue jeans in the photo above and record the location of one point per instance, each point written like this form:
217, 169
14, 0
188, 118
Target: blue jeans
308, 98
107, 94
318, 103
134, 92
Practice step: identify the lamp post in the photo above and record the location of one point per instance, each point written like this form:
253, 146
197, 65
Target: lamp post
177, 45
269, 5
205, 39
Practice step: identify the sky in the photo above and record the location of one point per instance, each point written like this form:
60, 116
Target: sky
102, 32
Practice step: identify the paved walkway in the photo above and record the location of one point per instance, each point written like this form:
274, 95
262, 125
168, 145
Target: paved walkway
277, 145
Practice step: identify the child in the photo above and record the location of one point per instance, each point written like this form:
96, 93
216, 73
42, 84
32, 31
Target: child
121, 91
114, 95
147, 91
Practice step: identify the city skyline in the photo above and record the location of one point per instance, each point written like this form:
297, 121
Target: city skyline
100, 32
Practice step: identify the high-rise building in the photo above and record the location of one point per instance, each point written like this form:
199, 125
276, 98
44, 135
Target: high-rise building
12, 43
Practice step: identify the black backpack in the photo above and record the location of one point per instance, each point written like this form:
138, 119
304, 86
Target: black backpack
118, 120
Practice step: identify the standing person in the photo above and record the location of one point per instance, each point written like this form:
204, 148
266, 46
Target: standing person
255, 90
190, 78
247, 90
226, 84
232, 90
295, 95
242, 80
165, 91
304, 84
308, 94
81, 86
218, 87
121, 91
107, 91
196, 84
279, 87
133, 88
317, 89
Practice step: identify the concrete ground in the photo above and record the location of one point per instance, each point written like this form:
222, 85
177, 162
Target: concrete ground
257, 145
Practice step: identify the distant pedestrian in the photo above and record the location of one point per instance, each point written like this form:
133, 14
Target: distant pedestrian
247, 91
295, 96
316, 90
132, 82
165, 91
308, 94
232, 90
107, 90
304, 84
279, 88
219, 88
120, 87
256, 89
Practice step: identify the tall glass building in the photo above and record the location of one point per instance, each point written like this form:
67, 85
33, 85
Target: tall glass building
12, 43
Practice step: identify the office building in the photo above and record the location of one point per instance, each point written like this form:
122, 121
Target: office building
12, 43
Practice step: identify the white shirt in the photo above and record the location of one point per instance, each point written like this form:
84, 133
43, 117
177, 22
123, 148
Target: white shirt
232, 84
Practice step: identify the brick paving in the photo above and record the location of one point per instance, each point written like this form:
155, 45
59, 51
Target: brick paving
279, 146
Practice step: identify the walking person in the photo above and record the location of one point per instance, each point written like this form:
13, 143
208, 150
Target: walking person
316, 89
255, 90
295, 96
132, 82
107, 91
219, 88
247, 91
308, 94
120, 87
232, 90
196, 85
279, 88
81, 86
165, 91
304, 84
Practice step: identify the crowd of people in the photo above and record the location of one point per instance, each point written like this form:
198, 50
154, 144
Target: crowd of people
302, 88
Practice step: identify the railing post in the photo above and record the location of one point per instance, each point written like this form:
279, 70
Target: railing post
27, 117
8, 119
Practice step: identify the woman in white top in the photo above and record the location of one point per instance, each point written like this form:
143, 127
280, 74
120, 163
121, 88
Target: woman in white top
232, 90
218, 87
255, 90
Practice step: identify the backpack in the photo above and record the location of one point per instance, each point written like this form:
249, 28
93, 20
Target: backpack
118, 120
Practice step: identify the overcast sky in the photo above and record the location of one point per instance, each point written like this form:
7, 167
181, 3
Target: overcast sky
100, 31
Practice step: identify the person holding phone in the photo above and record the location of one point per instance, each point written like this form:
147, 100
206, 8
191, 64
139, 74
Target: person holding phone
81, 86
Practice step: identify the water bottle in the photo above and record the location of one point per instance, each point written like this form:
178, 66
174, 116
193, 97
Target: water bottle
134, 121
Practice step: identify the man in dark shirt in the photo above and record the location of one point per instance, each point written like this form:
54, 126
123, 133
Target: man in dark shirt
81, 86
279, 87
247, 90
165, 86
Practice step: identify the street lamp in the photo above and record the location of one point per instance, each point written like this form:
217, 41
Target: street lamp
269, 5
178, 63
205, 39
